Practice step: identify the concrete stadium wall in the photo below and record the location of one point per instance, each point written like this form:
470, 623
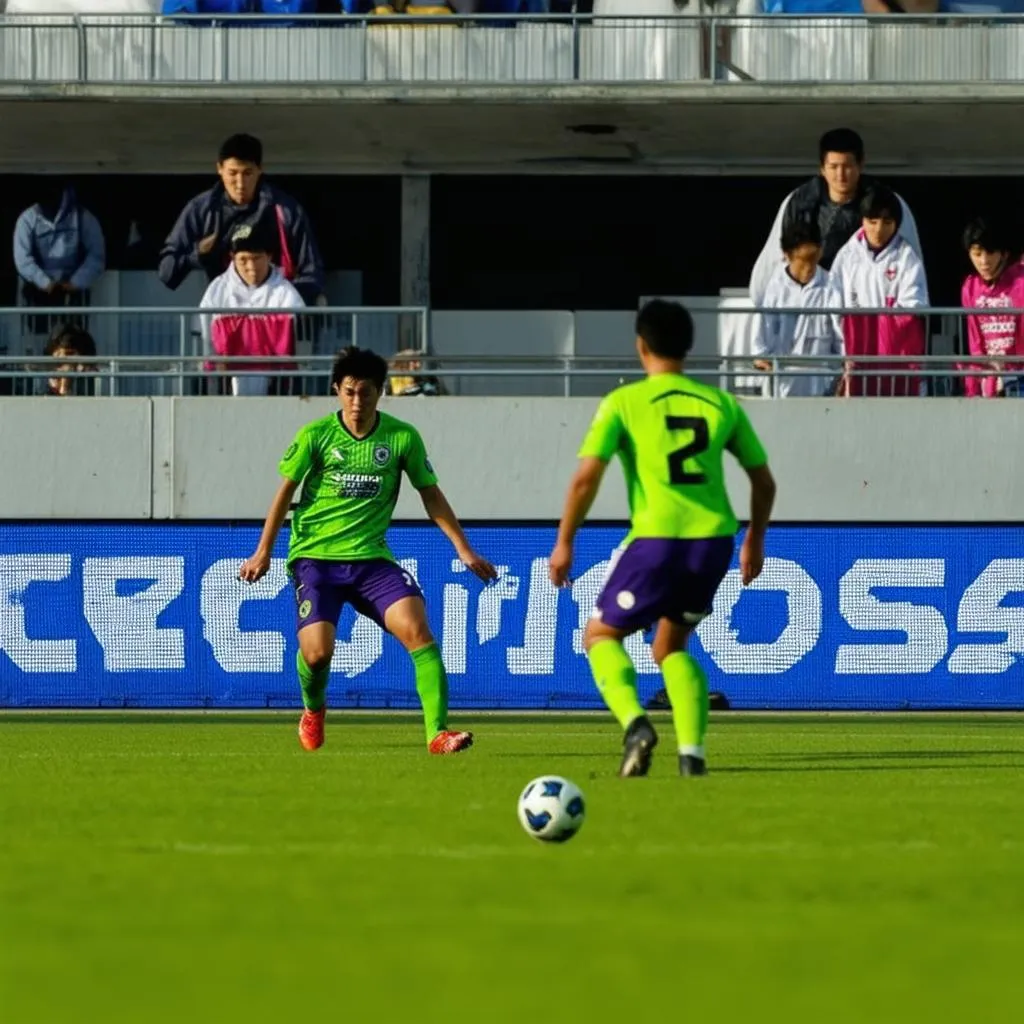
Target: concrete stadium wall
935, 461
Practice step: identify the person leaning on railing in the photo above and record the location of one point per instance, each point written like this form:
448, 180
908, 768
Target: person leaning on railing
879, 269
251, 283
802, 284
996, 284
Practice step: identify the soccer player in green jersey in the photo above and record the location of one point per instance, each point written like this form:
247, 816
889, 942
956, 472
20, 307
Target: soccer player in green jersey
670, 433
350, 466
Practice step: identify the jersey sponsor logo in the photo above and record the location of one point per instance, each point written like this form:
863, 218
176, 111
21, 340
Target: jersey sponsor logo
305, 608
357, 485
381, 455
338, 454
292, 449
429, 467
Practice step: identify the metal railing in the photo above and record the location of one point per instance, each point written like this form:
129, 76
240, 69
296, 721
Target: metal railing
482, 49
197, 375
144, 350
178, 359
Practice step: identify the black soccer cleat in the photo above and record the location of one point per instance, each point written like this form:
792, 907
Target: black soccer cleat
690, 765
639, 743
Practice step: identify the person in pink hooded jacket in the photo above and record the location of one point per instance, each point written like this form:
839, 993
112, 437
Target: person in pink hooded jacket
252, 283
879, 269
997, 284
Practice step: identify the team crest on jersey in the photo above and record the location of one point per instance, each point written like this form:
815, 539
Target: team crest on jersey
381, 455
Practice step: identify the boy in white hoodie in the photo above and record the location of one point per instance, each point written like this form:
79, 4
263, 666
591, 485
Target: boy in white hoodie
250, 283
799, 283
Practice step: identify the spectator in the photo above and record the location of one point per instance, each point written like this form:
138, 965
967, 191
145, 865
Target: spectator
201, 239
800, 283
832, 198
997, 283
59, 252
67, 343
400, 384
900, 6
878, 268
251, 282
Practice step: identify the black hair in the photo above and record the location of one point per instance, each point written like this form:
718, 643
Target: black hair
986, 234
71, 336
804, 231
881, 203
841, 140
241, 147
251, 238
361, 364
666, 328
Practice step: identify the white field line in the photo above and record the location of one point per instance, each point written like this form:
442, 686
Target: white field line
907, 847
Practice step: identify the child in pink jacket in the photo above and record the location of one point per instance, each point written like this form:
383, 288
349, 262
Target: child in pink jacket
879, 269
251, 283
997, 284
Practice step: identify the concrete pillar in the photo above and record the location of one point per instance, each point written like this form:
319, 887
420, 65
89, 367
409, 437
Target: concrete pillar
415, 263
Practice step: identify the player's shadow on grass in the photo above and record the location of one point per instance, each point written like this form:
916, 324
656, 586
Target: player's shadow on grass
548, 754
865, 766
896, 755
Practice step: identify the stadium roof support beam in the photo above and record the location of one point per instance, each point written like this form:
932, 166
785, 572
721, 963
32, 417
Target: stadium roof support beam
698, 128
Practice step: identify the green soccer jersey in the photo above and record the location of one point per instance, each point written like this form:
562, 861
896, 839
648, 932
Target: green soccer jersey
670, 432
350, 486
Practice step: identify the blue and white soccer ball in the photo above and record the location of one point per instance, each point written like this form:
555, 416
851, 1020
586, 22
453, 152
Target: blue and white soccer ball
551, 809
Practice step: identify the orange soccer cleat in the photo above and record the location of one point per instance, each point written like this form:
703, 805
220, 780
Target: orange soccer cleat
448, 742
311, 729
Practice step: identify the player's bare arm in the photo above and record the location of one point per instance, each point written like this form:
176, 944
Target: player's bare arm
762, 498
256, 566
583, 488
440, 512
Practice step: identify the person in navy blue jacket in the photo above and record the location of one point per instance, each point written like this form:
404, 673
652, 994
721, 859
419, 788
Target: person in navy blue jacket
201, 238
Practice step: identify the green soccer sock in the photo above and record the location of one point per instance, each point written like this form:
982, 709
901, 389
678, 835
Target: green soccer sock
615, 676
432, 686
687, 689
314, 684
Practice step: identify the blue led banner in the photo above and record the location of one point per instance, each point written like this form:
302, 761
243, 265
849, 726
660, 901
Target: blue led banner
152, 615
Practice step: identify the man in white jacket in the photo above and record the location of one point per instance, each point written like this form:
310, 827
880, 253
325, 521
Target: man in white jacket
251, 283
832, 199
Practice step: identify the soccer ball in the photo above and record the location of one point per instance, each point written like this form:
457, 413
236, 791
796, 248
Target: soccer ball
551, 809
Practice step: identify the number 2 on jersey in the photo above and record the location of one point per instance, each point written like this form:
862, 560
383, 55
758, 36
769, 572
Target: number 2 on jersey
677, 460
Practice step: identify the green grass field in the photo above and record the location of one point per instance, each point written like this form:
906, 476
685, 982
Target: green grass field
203, 868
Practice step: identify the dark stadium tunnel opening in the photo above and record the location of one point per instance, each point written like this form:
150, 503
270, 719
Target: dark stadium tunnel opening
591, 128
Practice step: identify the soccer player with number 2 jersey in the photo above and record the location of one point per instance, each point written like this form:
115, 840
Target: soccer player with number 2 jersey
670, 433
350, 466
